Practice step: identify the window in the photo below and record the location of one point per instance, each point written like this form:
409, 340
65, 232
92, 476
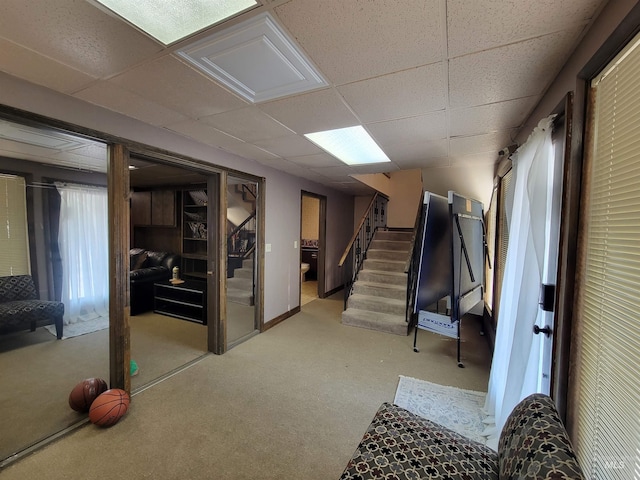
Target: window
14, 238
605, 385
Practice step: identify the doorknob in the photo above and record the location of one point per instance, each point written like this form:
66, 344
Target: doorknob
546, 330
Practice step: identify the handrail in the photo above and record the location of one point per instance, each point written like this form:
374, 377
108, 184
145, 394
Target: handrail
411, 269
357, 230
416, 225
239, 227
373, 218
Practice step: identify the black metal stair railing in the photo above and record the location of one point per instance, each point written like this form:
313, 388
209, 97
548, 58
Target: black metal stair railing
412, 266
374, 218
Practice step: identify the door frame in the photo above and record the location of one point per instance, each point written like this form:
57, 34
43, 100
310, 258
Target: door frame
322, 241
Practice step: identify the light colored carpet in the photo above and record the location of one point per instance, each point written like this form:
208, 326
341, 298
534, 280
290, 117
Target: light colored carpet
455, 408
290, 403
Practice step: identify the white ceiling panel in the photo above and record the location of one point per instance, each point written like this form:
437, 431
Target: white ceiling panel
249, 124
490, 117
204, 133
514, 71
403, 94
357, 39
110, 95
76, 34
417, 150
311, 112
250, 151
176, 86
36, 68
490, 142
410, 130
487, 158
289, 146
316, 161
472, 25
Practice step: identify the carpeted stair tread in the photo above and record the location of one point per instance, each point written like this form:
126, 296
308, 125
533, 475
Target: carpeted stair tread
404, 246
382, 322
395, 255
382, 276
384, 265
236, 295
377, 304
384, 290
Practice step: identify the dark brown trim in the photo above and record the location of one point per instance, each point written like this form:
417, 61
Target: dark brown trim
119, 335
572, 168
260, 241
333, 291
217, 281
280, 318
322, 240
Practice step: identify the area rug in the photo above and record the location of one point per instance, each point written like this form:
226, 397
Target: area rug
81, 328
457, 409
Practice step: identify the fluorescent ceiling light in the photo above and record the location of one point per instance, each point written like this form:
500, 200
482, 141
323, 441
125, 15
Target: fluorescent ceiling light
352, 145
171, 20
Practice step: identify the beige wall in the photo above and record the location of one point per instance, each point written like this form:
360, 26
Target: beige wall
404, 198
310, 218
470, 181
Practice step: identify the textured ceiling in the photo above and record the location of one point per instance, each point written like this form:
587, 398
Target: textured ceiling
435, 82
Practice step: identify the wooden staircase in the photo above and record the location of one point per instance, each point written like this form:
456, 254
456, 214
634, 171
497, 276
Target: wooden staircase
379, 297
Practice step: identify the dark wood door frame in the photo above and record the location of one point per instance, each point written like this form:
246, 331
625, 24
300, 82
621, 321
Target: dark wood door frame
322, 240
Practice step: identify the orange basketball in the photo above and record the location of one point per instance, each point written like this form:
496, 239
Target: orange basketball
109, 407
85, 392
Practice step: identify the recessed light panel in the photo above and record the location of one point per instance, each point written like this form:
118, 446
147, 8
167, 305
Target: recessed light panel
171, 20
351, 145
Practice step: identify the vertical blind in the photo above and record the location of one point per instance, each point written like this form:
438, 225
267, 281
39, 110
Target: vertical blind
14, 240
604, 417
490, 229
502, 241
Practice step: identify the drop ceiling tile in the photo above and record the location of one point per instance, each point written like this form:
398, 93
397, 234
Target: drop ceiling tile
411, 163
403, 94
176, 86
316, 161
408, 130
375, 168
76, 34
491, 142
249, 124
334, 172
417, 150
33, 67
515, 71
249, 151
357, 39
289, 146
472, 26
111, 96
311, 112
491, 117
204, 133
487, 158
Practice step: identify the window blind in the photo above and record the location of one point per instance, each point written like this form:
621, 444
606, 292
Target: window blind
606, 385
503, 241
490, 229
14, 239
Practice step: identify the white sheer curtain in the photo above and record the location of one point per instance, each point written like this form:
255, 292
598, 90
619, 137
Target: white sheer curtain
83, 241
516, 360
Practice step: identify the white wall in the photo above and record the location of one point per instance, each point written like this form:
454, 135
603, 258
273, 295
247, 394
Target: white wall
282, 264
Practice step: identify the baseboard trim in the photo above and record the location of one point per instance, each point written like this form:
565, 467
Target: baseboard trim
280, 318
333, 291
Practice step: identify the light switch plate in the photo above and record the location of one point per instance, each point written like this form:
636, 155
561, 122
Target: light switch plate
267, 247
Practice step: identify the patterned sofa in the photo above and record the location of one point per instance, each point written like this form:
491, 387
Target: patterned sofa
401, 445
20, 308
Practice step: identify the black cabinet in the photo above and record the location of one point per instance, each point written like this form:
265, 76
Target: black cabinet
187, 300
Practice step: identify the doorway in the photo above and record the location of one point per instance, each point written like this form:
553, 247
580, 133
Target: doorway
312, 247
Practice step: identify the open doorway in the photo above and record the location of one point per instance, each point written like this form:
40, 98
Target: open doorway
312, 246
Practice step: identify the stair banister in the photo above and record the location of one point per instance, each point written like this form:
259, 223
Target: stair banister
411, 267
373, 218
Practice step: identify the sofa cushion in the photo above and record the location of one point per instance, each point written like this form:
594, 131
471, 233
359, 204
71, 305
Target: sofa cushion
534, 443
17, 287
400, 444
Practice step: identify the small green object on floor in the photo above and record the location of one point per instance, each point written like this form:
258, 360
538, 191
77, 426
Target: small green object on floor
134, 368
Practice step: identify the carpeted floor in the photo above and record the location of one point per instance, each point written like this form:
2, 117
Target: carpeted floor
290, 403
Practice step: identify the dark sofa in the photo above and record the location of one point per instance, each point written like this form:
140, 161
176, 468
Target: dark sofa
20, 308
146, 268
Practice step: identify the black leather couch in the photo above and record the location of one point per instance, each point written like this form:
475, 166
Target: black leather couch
146, 268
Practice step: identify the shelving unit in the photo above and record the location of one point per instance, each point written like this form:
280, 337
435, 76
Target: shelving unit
194, 233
